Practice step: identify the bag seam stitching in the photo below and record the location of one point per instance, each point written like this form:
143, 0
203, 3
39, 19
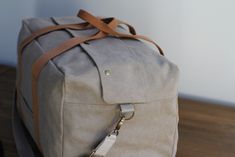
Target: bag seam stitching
103, 104
51, 61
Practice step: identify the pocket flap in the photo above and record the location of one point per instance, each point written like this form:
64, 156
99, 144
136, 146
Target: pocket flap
130, 71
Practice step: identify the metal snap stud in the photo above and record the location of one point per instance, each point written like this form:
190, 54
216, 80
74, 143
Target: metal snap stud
107, 72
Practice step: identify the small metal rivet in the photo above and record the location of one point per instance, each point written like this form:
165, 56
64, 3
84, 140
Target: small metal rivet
107, 72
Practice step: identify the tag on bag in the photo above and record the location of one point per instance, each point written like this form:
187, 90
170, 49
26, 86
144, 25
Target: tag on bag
104, 147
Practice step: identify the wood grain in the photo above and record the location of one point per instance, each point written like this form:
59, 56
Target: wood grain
7, 85
205, 130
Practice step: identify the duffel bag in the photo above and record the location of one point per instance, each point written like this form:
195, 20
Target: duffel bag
93, 88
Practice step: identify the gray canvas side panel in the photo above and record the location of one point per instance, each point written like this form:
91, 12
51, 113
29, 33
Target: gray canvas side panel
137, 73
50, 90
150, 133
86, 115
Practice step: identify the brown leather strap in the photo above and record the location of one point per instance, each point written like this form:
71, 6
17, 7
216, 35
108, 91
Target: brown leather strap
43, 31
38, 33
35, 35
78, 26
78, 40
48, 29
44, 59
103, 27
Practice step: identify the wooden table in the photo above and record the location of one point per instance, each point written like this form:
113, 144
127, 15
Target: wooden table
7, 85
205, 130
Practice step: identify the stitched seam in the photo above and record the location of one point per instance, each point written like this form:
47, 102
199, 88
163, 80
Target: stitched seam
176, 130
62, 116
141, 103
175, 143
25, 102
64, 92
42, 49
51, 61
143, 78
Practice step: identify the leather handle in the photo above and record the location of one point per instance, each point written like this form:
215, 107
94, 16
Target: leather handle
78, 26
105, 28
43, 60
83, 13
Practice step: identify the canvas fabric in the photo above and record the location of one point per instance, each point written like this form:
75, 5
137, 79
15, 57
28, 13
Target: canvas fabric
79, 101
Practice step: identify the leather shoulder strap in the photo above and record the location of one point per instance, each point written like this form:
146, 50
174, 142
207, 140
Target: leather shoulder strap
78, 26
43, 60
104, 30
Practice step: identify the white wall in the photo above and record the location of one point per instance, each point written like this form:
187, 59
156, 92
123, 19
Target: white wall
198, 35
13, 11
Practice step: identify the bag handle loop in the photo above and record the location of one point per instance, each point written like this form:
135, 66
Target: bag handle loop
39, 64
105, 28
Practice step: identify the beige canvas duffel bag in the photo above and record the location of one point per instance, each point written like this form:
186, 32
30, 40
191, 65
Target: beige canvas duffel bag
93, 88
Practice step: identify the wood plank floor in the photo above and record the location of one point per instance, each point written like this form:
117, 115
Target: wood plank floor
7, 85
205, 130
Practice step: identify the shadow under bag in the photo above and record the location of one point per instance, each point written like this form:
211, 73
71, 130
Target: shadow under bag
93, 88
